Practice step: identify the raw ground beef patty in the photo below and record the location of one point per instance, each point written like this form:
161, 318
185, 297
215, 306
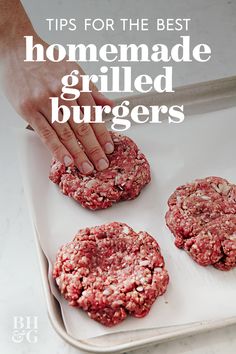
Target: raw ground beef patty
127, 174
202, 217
111, 271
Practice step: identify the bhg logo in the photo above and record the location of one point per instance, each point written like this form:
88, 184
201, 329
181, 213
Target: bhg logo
25, 328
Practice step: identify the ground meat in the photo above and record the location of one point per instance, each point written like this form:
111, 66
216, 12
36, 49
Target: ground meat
128, 173
215, 244
202, 217
111, 271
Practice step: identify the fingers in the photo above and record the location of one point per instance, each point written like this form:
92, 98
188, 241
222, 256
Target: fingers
85, 134
69, 133
62, 139
100, 131
51, 140
87, 138
104, 137
69, 140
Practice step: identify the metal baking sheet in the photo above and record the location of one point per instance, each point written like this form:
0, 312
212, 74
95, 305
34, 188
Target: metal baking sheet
198, 99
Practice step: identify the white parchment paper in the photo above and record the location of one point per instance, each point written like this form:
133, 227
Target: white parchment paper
201, 146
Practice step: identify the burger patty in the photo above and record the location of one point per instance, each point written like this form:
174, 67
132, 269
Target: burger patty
127, 174
202, 217
110, 271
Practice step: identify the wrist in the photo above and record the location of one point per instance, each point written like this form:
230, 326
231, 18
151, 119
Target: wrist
12, 31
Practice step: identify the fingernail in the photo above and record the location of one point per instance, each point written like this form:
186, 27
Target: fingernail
68, 161
108, 148
86, 168
102, 164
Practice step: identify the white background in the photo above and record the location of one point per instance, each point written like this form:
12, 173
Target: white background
213, 21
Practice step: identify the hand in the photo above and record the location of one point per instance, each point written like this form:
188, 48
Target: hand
28, 87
